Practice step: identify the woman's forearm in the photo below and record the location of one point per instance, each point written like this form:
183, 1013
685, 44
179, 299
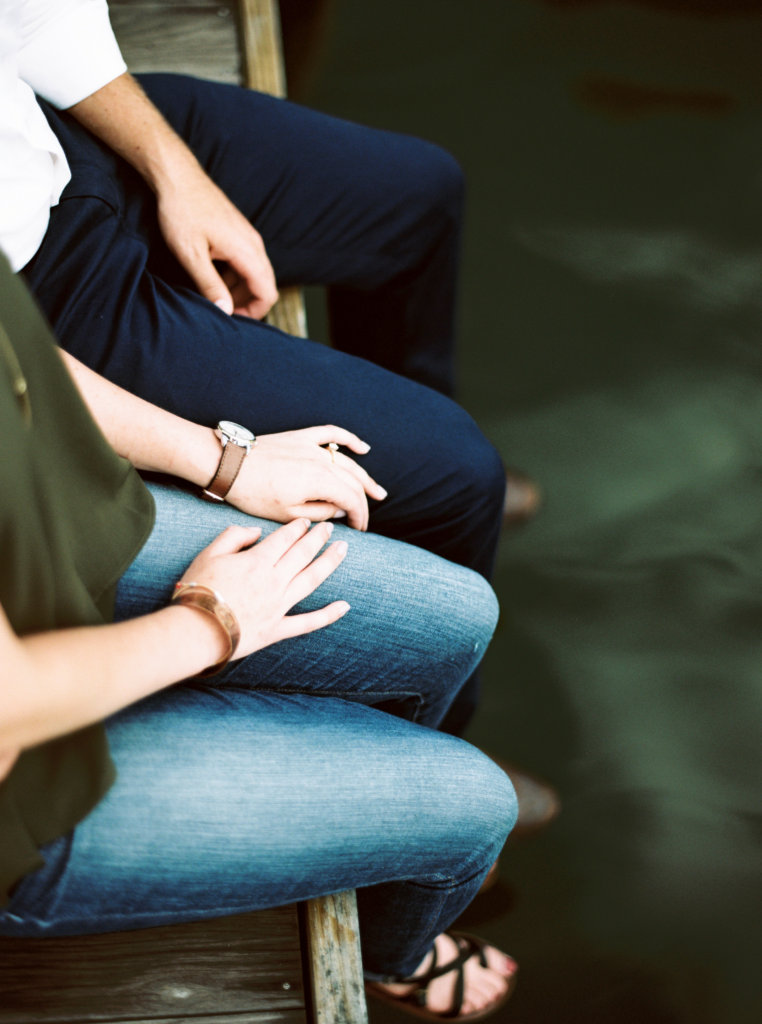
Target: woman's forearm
288, 475
55, 683
151, 438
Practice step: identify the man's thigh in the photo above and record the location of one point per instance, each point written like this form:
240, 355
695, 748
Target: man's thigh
374, 215
336, 202
174, 348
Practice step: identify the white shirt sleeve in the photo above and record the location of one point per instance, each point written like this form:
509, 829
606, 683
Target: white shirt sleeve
68, 49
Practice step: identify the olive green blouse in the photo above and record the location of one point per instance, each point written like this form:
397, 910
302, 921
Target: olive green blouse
73, 515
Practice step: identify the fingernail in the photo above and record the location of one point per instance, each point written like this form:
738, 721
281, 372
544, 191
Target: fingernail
341, 547
339, 514
364, 447
225, 305
382, 493
306, 522
345, 606
329, 527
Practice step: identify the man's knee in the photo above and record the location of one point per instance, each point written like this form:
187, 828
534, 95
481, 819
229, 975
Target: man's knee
475, 467
438, 185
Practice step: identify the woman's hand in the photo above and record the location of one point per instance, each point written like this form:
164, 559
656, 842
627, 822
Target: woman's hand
262, 581
58, 681
290, 474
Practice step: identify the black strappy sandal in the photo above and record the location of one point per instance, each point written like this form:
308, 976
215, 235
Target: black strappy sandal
414, 1002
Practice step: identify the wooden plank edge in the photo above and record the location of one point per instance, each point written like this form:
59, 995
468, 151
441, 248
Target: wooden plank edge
332, 935
262, 48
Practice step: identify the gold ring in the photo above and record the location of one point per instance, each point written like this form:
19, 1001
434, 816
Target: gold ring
332, 448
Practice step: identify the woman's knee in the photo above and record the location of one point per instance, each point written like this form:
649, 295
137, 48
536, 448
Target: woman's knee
419, 599
481, 805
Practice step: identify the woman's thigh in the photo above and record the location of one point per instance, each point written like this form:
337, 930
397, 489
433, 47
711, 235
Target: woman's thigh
417, 626
228, 801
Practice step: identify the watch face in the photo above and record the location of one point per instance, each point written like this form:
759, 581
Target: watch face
236, 433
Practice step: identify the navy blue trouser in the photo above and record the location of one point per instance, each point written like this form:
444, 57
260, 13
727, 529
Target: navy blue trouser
372, 215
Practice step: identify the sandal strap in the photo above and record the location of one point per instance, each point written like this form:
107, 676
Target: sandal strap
468, 946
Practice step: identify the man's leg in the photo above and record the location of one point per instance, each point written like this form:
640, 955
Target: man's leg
92, 277
375, 216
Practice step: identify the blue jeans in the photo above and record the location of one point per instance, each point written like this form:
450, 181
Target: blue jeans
287, 777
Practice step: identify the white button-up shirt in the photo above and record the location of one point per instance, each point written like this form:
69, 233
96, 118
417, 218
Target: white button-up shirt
64, 50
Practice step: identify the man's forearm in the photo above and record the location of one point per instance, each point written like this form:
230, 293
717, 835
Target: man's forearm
122, 116
198, 221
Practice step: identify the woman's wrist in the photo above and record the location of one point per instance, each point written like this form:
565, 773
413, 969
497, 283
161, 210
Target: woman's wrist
200, 642
198, 596
197, 455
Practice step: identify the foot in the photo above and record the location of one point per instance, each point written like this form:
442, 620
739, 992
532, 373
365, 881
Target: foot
538, 801
539, 804
433, 991
522, 498
491, 878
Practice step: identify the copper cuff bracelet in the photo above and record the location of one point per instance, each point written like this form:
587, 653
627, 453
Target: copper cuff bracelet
195, 595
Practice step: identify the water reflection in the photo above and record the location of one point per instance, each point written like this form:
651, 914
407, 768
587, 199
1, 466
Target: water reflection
612, 344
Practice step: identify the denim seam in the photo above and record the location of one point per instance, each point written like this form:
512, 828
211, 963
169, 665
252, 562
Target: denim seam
352, 697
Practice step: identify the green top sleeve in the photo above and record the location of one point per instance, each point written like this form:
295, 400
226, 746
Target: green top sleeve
73, 515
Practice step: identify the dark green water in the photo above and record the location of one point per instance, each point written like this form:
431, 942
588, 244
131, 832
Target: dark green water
611, 344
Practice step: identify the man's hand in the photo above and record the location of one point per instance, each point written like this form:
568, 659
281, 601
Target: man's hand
288, 475
200, 225
198, 221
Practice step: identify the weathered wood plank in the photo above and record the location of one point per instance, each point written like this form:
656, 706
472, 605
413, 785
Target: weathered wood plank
212, 5
250, 963
263, 70
262, 51
333, 938
199, 39
258, 1017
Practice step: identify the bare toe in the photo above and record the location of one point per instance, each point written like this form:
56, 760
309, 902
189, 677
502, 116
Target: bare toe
487, 974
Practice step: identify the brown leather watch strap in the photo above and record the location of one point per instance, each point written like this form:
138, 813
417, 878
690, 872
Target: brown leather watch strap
231, 461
